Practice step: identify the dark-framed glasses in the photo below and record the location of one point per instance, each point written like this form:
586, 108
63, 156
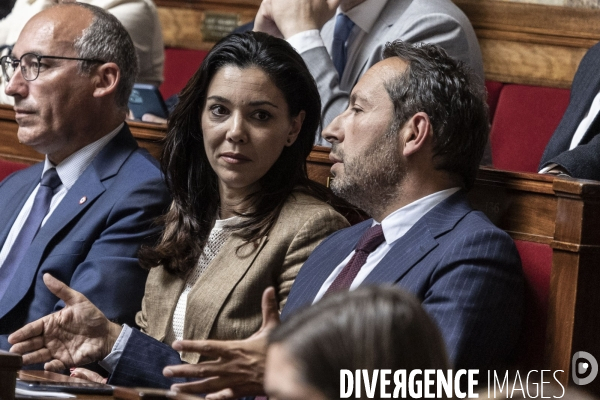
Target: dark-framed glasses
30, 65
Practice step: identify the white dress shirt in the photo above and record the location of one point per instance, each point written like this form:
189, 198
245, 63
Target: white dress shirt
394, 226
68, 171
585, 123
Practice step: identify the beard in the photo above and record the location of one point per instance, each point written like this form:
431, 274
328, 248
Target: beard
370, 181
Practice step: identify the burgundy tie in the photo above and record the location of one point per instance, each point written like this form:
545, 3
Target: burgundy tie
368, 242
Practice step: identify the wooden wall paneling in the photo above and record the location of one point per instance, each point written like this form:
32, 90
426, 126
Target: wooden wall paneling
577, 23
561, 311
531, 43
522, 204
528, 63
182, 21
240, 4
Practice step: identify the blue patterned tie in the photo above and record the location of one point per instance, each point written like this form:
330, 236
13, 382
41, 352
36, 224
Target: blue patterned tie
41, 205
343, 27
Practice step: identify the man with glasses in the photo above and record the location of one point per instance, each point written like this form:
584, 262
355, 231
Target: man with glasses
82, 214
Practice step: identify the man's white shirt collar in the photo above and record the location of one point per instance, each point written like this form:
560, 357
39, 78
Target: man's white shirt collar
71, 168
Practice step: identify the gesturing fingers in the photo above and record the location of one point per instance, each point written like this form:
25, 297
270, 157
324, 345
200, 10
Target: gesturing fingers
205, 369
220, 388
270, 309
33, 329
28, 345
55, 366
36, 357
207, 348
62, 291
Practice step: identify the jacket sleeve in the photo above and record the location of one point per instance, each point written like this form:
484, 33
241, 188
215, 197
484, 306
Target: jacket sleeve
476, 299
314, 231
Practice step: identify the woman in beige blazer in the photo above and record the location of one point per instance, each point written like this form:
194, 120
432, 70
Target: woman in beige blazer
244, 217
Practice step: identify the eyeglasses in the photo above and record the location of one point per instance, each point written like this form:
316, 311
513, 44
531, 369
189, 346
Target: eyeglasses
30, 65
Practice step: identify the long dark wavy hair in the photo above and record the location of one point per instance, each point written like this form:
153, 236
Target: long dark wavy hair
191, 180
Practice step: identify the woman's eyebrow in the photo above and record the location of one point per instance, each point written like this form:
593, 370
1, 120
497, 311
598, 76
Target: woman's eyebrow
262, 103
252, 103
218, 98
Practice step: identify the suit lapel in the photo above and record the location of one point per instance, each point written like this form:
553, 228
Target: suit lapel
167, 288
405, 254
12, 207
215, 285
321, 264
89, 185
420, 240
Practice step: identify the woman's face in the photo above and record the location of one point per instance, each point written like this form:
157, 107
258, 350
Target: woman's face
246, 124
283, 380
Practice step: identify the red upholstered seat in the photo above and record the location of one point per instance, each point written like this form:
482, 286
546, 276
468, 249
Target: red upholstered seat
8, 167
537, 264
524, 121
493, 93
180, 65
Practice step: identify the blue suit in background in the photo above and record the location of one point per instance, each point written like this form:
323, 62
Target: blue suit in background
584, 160
91, 240
465, 270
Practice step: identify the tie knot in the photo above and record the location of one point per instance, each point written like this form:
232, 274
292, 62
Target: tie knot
51, 179
371, 239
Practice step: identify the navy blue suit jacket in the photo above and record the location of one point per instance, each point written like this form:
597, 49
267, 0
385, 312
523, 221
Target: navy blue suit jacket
465, 270
584, 160
92, 245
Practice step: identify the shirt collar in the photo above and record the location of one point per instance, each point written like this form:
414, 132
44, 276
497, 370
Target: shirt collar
365, 14
71, 168
396, 224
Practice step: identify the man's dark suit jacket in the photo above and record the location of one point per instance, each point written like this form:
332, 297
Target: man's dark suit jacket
584, 160
91, 240
465, 270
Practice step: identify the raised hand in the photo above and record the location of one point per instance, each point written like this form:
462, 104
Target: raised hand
285, 18
76, 335
239, 365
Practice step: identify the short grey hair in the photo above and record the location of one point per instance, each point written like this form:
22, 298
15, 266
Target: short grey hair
106, 39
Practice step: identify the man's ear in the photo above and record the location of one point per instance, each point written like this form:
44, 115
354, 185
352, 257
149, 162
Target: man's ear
297, 122
416, 132
106, 78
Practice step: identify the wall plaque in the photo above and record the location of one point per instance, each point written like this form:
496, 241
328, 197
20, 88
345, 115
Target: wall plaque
218, 25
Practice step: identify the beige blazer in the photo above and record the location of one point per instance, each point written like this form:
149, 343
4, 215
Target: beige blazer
225, 302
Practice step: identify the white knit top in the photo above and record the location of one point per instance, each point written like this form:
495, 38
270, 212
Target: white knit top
218, 236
